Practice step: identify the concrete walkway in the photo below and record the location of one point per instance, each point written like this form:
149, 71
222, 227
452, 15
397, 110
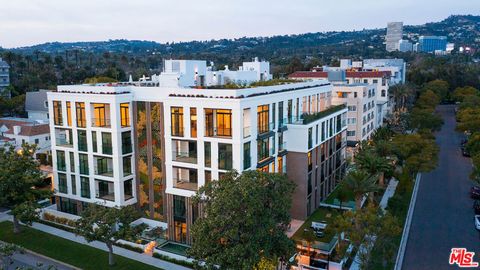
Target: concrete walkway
146, 259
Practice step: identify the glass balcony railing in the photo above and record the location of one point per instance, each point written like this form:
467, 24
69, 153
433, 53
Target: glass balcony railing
188, 157
265, 128
282, 146
185, 183
101, 122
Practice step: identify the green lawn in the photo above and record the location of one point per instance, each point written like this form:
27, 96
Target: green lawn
78, 255
305, 232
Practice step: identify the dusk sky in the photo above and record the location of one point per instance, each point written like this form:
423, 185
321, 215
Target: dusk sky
29, 22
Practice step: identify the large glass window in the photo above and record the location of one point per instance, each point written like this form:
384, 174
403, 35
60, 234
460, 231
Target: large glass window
72, 162
80, 113
57, 113
246, 156
82, 140
280, 114
107, 143
208, 154
62, 183
127, 166
85, 187
177, 121
61, 161
263, 118
101, 114
224, 123
69, 114
94, 141
263, 149
309, 160
74, 184
126, 142
125, 114
193, 122
104, 190
83, 163
224, 156
128, 189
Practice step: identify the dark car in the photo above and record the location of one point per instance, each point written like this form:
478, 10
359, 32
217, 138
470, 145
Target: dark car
463, 142
475, 193
465, 152
476, 207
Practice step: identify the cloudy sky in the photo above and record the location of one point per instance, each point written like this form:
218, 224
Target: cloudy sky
29, 22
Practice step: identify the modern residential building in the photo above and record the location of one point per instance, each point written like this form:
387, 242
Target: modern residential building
36, 105
16, 131
360, 100
394, 35
396, 67
432, 44
153, 145
4, 78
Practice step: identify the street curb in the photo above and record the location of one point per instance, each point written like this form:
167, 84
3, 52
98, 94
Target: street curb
406, 228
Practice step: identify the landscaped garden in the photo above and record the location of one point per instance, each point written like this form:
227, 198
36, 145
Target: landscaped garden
75, 254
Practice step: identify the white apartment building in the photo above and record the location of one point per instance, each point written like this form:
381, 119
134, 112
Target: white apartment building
360, 99
36, 105
155, 146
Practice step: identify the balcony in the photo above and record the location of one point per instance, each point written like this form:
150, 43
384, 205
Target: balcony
184, 151
63, 137
282, 147
104, 190
184, 178
222, 132
265, 128
101, 122
103, 166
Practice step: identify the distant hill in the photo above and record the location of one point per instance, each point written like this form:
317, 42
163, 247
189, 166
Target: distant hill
460, 29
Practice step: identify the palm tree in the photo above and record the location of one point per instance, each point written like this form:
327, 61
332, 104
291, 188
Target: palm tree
374, 165
359, 183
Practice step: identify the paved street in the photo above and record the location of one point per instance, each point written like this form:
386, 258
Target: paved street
443, 216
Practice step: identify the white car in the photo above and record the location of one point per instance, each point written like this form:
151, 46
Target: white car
477, 222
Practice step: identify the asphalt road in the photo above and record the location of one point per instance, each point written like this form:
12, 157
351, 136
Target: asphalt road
443, 217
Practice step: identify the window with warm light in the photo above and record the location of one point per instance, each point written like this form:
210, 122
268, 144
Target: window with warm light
69, 114
125, 114
80, 113
177, 121
101, 115
193, 122
263, 118
57, 113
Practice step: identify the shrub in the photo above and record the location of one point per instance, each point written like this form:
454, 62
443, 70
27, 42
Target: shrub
129, 247
172, 260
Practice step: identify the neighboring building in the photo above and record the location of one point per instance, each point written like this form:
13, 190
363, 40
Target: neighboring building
4, 79
147, 144
405, 45
360, 100
381, 80
36, 105
17, 131
394, 35
396, 67
432, 44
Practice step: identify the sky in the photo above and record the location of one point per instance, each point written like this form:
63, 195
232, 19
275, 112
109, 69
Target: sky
30, 22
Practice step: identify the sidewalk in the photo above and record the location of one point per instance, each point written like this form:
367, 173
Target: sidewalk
146, 259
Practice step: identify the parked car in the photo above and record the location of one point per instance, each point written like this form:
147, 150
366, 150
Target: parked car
475, 193
477, 222
465, 152
476, 207
463, 142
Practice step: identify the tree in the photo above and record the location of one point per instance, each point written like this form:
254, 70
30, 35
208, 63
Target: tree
462, 93
365, 228
244, 222
417, 152
439, 87
424, 119
427, 100
19, 174
401, 94
108, 225
6, 253
359, 183
374, 165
